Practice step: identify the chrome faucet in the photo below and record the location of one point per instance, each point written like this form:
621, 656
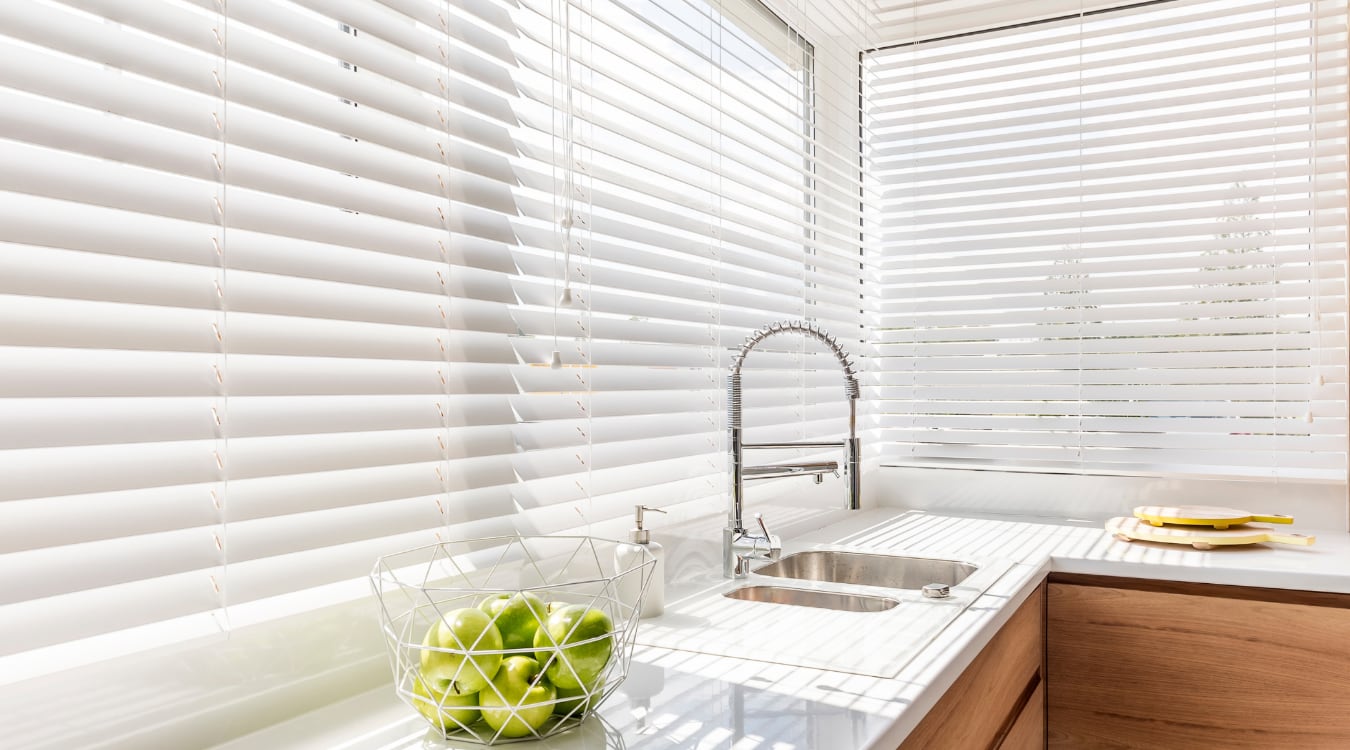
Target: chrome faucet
740, 545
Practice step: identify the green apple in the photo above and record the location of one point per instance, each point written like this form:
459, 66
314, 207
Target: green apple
576, 697
517, 616
573, 666
446, 711
519, 700
465, 630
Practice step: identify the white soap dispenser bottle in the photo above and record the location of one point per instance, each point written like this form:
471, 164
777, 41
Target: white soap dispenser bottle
634, 554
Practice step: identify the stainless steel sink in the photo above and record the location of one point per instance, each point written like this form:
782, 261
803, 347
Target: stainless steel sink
808, 598
887, 625
891, 571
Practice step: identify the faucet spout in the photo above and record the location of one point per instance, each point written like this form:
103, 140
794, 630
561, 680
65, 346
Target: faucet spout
735, 565
776, 471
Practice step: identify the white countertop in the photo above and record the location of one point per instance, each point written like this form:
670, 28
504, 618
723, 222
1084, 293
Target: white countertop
684, 699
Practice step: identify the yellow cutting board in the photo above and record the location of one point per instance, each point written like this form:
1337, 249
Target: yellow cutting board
1127, 529
1204, 515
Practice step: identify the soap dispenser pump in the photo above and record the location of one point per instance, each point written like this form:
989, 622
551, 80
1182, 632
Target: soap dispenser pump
634, 554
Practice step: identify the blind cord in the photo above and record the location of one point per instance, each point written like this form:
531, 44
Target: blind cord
221, 416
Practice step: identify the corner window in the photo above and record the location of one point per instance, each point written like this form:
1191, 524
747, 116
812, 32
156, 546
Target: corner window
1115, 242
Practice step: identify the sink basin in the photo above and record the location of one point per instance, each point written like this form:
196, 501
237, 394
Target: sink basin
808, 598
890, 571
885, 626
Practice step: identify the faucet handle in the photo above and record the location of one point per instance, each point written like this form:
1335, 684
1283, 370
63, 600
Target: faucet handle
759, 519
774, 543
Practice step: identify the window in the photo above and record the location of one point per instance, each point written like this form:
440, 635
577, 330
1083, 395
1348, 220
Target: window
279, 288
694, 220
1115, 242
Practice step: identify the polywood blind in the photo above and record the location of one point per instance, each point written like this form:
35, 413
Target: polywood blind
277, 283
256, 300
703, 202
1116, 242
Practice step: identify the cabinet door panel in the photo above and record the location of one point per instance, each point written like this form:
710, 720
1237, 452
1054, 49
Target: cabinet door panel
977, 709
1156, 670
1028, 732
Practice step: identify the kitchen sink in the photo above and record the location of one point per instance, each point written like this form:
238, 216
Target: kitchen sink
809, 598
866, 569
871, 596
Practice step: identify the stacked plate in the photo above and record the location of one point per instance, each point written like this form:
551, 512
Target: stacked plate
1202, 526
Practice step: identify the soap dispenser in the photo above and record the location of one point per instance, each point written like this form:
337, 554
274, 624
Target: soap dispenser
634, 554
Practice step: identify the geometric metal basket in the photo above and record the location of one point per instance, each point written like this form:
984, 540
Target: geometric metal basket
419, 588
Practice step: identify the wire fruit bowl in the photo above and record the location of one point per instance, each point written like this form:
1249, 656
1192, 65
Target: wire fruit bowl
509, 638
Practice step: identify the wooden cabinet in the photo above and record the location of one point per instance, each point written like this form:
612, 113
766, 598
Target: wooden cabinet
997, 703
1156, 665
1028, 731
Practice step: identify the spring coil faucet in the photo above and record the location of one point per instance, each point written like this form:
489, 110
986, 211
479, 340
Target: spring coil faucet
735, 537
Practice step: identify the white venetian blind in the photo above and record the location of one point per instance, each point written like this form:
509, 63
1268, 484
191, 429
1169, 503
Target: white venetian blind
254, 300
277, 284
1116, 242
704, 202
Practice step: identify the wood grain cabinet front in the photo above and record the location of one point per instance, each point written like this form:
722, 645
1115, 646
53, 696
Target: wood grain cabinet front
1159, 665
997, 703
